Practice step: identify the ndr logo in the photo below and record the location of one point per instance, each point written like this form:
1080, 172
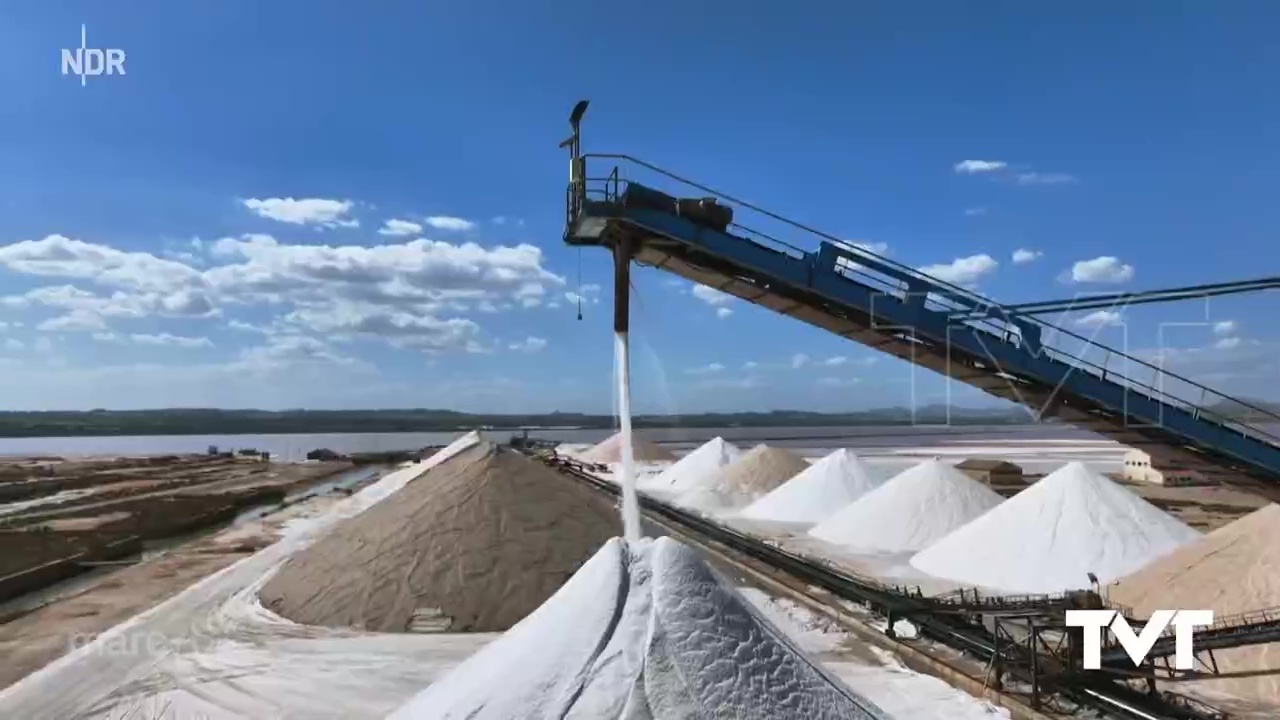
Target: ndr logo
85, 61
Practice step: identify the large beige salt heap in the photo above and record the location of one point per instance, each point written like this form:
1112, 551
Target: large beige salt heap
738, 484
695, 468
1232, 570
819, 491
481, 539
912, 511
1051, 536
610, 451
643, 632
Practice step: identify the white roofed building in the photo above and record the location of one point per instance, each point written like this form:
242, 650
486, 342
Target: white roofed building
1138, 468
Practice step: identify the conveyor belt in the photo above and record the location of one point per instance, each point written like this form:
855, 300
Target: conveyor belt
1256, 627
895, 309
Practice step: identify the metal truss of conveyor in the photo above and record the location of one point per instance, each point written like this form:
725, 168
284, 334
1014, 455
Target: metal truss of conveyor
991, 629
892, 308
1256, 627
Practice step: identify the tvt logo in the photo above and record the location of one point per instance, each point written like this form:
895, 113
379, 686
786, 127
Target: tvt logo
85, 61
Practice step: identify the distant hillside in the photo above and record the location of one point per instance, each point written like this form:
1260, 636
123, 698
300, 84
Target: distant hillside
1236, 409
229, 422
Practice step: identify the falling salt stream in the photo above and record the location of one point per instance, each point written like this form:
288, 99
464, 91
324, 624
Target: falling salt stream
630, 503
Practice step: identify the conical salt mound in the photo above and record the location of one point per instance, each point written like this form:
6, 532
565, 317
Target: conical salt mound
610, 451
479, 540
738, 484
643, 632
915, 509
1232, 570
1049, 537
822, 489
691, 470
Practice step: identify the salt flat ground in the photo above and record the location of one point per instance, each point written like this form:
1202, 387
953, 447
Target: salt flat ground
212, 651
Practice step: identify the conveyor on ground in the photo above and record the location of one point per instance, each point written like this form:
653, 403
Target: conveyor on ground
699, 234
1256, 627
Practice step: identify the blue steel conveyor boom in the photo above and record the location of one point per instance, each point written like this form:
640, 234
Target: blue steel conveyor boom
1003, 350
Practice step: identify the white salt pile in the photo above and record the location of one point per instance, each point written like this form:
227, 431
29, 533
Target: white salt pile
644, 632
912, 511
480, 540
610, 451
1049, 537
819, 491
691, 470
571, 449
755, 474
1232, 570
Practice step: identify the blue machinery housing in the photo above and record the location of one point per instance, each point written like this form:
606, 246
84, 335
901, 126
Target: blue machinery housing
892, 308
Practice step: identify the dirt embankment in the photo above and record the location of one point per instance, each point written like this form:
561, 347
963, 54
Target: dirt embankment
90, 511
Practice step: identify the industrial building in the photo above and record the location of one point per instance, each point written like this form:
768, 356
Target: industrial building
1137, 467
993, 473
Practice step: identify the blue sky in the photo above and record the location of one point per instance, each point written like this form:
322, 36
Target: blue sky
211, 229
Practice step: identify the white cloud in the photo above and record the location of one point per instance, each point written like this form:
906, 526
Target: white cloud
529, 345
590, 294
283, 351
74, 321
729, 383
711, 296
406, 293
1022, 256
1101, 318
399, 228
975, 211
706, 369
1039, 178
401, 329
422, 274
799, 360
445, 222
1224, 327
963, 271
1104, 269
836, 361
971, 167
398, 292
184, 303
723, 312
60, 256
304, 211
171, 340
1232, 365
157, 340
247, 327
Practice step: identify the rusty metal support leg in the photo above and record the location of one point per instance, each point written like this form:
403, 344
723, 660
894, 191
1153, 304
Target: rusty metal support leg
622, 253
1035, 666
